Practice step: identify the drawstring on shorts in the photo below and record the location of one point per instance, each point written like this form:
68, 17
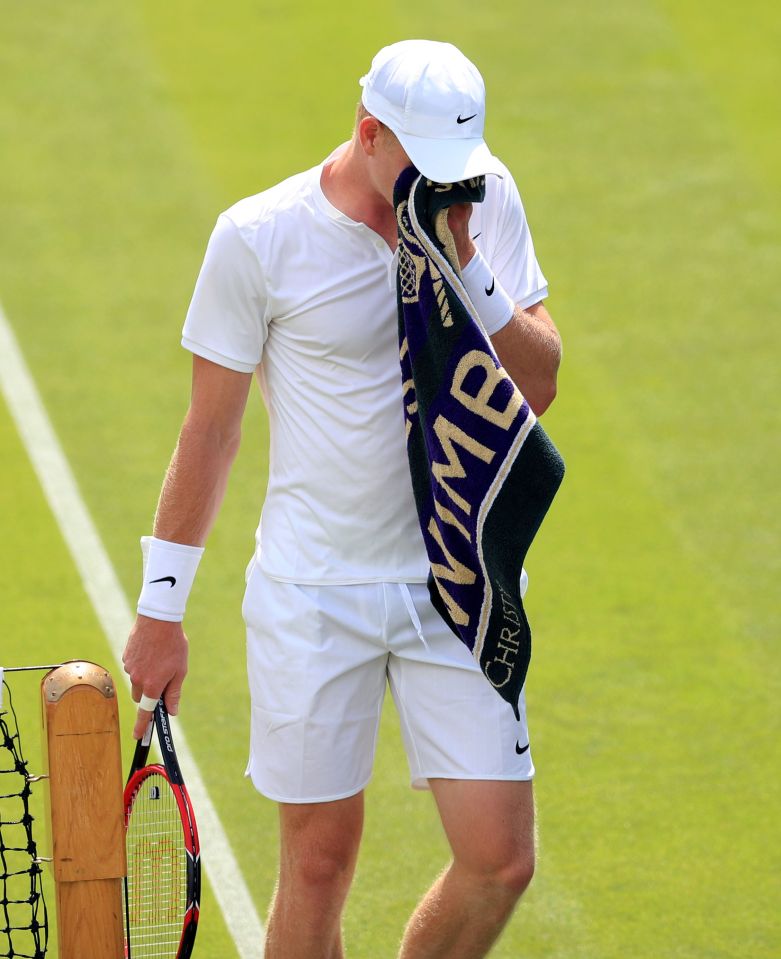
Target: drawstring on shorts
413, 613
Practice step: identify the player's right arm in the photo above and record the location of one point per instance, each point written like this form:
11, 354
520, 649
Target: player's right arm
155, 656
225, 329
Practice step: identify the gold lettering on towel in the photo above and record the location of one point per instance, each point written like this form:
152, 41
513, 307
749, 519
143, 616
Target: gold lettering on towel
499, 669
502, 675
455, 571
448, 516
508, 609
479, 403
448, 435
457, 614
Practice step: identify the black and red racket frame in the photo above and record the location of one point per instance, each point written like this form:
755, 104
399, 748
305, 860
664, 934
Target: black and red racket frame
139, 771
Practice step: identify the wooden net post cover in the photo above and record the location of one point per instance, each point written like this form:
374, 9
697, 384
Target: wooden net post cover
85, 809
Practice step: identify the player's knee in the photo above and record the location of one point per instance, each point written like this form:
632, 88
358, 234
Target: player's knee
515, 875
506, 875
319, 849
324, 869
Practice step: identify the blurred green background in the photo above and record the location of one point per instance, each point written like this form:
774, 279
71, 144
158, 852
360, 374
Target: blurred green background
645, 140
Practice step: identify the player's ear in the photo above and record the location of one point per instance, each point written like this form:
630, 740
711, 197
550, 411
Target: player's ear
369, 133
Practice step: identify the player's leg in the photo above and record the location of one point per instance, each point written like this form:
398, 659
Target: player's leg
464, 742
490, 828
318, 850
317, 685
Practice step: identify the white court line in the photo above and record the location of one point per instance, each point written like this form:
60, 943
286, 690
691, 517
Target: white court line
111, 607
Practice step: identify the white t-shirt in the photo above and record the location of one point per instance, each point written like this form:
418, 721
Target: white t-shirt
293, 288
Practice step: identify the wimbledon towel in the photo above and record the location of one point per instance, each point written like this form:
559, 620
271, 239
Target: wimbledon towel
483, 469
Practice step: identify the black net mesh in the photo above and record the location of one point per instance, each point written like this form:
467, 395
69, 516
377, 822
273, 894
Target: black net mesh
24, 926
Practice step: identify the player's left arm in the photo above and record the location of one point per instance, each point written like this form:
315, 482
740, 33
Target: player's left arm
528, 345
529, 348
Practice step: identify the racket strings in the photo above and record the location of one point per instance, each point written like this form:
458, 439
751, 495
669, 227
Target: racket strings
157, 871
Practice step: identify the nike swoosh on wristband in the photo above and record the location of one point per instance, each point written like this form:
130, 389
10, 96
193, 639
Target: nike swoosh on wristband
165, 579
460, 119
521, 749
490, 291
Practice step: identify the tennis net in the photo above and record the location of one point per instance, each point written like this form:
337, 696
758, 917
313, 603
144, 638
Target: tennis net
24, 925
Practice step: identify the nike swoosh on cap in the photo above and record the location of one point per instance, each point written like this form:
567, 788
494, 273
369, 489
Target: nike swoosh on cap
460, 119
171, 580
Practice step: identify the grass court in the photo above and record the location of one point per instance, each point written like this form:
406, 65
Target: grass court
644, 137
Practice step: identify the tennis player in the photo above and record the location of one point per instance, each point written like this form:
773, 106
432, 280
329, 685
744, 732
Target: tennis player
298, 288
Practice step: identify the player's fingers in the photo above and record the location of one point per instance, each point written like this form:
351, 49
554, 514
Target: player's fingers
144, 715
173, 695
143, 718
458, 214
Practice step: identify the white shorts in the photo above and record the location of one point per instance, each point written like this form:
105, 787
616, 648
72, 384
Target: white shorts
318, 660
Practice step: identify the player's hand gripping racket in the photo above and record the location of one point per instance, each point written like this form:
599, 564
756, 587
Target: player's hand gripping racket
162, 890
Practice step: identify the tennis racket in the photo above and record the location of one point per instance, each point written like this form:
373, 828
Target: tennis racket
163, 885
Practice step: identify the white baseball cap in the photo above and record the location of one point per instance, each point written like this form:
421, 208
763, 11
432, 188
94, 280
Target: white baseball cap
433, 99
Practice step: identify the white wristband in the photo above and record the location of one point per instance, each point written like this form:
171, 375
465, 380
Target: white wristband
493, 305
169, 571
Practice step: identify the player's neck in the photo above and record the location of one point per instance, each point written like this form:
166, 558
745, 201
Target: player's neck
347, 186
